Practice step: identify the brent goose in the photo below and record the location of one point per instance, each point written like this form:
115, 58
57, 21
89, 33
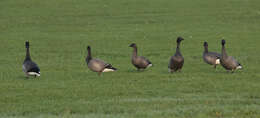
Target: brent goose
30, 68
98, 65
211, 58
177, 60
139, 62
228, 62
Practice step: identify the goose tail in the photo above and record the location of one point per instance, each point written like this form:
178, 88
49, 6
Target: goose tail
34, 74
239, 66
150, 65
109, 68
217, 61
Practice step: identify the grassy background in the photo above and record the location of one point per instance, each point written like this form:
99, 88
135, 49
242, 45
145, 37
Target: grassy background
59, 32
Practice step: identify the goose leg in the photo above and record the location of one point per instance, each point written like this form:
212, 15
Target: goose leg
179, 70
27, 76
99, 73
171, 71
232, 71
215, 66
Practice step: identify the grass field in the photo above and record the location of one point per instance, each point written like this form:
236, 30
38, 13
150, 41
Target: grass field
60, 30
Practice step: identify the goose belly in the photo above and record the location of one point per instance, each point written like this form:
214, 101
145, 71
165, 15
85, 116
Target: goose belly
96, 67
225, 64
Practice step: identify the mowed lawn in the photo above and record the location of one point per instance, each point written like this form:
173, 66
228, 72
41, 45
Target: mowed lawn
60, 30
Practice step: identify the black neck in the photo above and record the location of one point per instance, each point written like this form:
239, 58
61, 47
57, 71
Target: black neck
224, 54
28, 57
135, 52
206, 49
178, 48
89, 56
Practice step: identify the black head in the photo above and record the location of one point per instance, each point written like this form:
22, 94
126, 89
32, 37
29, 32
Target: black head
223, 42
132, 45
27, 44
205, 43
179, 39
88, 48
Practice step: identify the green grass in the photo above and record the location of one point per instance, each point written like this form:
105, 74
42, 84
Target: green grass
60, 30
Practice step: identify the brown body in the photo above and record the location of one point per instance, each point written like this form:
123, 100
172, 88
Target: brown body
211, 58
228, 62
176, 61
139, 62
30, 68
97, 65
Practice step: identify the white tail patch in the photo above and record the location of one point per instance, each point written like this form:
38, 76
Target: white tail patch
34, 73
218, 61
149, 65
239, 67
108, 70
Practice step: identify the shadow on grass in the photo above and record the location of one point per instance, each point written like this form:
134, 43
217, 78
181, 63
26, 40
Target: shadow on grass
27, 78
136, 71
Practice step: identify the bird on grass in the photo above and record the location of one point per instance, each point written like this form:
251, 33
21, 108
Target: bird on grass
228, 62
97, 65
30, 68
211, 58
139, 62
176, 61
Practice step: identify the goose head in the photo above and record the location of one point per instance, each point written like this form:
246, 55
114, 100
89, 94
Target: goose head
132, 45
223, 42
179, 39
88, 48
205, 44
205, 47
27, 44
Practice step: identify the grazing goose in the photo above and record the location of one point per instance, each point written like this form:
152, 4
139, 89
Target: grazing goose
177, 60
30, 68
139, 62
98, 65
211, 58
228, 62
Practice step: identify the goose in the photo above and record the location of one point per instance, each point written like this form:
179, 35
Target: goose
97, 65
211, 58
177, 60
228, 62
139, 62
30, 68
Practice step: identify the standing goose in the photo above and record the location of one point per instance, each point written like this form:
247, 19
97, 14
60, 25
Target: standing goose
177, 60
30, 68
228, 62
98, 65
211, 58
139, 62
